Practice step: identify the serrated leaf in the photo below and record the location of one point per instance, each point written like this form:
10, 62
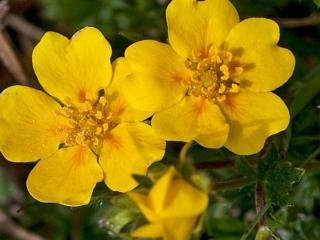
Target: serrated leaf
268, 163
279, 183
243, 167
143, 181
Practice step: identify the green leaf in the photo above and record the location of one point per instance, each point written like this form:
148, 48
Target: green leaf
317, 2
279, 183
143, 181
243, 167
225, 227
268, 163
307, 92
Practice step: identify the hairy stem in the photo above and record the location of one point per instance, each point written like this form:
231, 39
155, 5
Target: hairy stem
260, 203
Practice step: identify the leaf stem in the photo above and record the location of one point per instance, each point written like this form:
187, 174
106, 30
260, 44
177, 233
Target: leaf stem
184, 151
232, 184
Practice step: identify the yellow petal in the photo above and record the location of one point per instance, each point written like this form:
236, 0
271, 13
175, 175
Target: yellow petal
152, 230
157, 75
144, 205
73, 70
158, 193
30, 129
266, 66
68, 177
119, 106
253, 117
192, 119
130, 148
197, 25
173, 197
180, 228
183, 200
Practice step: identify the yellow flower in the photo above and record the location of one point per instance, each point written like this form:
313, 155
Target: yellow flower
172, 208
212, 83
86, 132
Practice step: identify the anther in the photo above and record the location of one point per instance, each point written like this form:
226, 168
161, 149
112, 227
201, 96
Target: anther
105, 126
98, 130
212, 74
102, 101
99, 115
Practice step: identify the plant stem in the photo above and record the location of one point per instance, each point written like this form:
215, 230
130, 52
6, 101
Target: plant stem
260, 203
184, 151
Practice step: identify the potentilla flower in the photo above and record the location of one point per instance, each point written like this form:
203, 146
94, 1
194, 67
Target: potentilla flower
212, 82
172, 208
84, 131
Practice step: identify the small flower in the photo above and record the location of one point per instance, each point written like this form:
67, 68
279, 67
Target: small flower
172, 207
86, 132
212, 82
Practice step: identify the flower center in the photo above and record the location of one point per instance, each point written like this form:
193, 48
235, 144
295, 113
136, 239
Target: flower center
89, 123
212, 74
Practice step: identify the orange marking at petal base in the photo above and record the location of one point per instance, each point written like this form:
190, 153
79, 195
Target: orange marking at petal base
79, 156
180, 78
230, 103
200, 106
82, 96
114, 141
118, 107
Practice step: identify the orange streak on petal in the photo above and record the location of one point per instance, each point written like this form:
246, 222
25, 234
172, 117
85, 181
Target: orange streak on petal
200, 106
79, 157
82, 96
118, 107
113, 141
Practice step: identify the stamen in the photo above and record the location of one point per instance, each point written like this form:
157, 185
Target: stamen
89, 122
212, 74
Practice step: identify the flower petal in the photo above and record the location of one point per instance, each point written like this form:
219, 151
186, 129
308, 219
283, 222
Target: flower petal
180, 228
120, 107
253, 117
29, 125
158, 193
157, 73
267, 66
152, 230
68, 177
197, 25
73, 70
130, 148
192, 119
143, 203
183, 200
172, 197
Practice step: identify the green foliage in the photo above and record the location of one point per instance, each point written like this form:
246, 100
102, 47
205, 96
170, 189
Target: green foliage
279, 182
317, 2
143, 180
226, 228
